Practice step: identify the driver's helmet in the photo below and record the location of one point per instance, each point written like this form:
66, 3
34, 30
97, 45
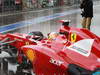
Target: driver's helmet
53, 35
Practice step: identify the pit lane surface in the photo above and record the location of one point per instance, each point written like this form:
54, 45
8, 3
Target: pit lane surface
44, 21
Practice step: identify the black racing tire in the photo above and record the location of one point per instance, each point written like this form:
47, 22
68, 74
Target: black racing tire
77, 70
72, 70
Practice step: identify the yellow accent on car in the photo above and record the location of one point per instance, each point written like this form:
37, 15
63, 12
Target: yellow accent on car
73, 37
27, 43
31, 54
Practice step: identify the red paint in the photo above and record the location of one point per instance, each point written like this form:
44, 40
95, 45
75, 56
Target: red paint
53, 57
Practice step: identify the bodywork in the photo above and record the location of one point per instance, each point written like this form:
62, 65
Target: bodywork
74, 51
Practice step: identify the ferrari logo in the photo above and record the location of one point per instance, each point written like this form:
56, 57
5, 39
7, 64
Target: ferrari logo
27, 43
73, 37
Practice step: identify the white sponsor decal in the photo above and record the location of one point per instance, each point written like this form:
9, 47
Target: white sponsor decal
83, 47
56, 62
98, 59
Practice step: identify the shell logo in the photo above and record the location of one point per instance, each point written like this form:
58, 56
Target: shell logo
31, 55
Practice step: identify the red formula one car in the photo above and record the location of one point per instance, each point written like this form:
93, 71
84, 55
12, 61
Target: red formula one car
71, 51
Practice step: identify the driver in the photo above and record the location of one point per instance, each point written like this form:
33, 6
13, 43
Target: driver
52, 35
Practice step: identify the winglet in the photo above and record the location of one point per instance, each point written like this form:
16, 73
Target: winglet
65, 22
